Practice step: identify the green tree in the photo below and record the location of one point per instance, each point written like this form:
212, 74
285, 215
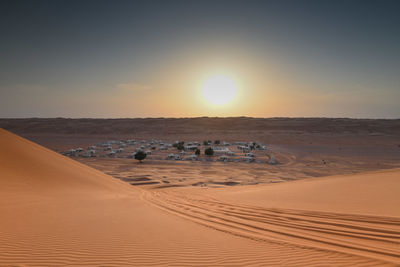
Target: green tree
217, 142
140, 155
179, 145
209, 151
197, 152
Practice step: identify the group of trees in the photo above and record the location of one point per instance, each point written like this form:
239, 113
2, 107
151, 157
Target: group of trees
140, 155
209, 151
254, 145
179, 145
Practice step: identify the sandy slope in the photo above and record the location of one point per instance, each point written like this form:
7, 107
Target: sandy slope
58, 212
357, 214
374, 193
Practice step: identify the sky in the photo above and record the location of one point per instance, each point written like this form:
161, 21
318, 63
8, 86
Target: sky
112, 59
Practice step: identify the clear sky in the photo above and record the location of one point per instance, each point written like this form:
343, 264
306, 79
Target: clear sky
155, 58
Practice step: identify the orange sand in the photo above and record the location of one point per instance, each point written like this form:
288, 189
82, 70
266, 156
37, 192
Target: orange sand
58, 212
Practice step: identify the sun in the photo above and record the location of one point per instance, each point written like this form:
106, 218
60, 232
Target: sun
219, 89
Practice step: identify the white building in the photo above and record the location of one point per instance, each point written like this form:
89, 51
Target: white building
221, 150
243, 148
171, 156
190, 147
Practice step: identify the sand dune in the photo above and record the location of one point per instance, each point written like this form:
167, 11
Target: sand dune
373, 193
358, 214
58, 212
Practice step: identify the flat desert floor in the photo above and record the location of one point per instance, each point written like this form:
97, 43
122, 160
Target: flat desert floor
332, 199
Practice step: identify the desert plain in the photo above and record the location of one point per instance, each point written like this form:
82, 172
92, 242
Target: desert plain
332, 198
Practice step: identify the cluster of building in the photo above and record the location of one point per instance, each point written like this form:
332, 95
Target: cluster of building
222, 151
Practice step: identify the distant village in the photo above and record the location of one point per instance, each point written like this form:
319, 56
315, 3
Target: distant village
178, 150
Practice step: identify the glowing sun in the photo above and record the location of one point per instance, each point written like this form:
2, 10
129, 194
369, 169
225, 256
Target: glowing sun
219, 89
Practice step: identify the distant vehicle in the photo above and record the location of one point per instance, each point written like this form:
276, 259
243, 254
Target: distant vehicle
272, 161
249, 159
174, 157
223, 158
192, 157
91, 153
70, 152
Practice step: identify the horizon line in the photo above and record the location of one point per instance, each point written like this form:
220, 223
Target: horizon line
198, 117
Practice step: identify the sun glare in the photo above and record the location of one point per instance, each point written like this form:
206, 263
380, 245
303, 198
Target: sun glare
219, 89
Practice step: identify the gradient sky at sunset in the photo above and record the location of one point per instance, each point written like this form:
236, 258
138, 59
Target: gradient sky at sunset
150, 58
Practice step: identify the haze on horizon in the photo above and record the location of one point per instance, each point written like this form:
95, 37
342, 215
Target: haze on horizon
157, 58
